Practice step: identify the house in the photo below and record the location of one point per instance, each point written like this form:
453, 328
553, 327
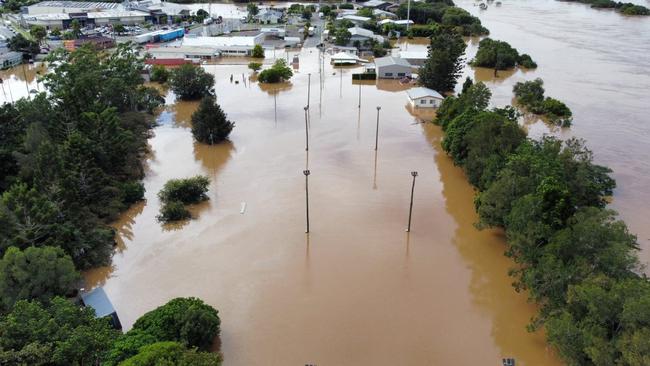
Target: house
415, 58
98, 300
356, 19
382, 14
10, 59
344, 58
377, 4
424, 98
363, 35
269, 16
390, 67
402, 22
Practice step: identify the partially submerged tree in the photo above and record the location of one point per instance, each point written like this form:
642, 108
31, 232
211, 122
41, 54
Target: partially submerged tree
191, 82
444, 63
210, 125
277, 73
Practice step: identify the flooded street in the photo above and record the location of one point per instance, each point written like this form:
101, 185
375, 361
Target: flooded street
359, 289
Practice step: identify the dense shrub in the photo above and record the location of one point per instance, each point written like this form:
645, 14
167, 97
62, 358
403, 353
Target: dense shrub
185, 320
172, 353
186, 191
530, 94
500, 55
159, 74
277, 73
173, 211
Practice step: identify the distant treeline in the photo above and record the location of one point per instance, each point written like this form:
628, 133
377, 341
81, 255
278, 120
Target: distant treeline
624, 8
574, 258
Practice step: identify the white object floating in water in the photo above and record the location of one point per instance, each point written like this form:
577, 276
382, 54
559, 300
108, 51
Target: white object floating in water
243, 208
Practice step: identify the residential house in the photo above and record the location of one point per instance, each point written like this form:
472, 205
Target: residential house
424, 98
415, 58
390, 67
363, 35
269, 16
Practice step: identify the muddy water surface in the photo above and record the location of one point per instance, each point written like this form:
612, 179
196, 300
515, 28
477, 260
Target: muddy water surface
358, 289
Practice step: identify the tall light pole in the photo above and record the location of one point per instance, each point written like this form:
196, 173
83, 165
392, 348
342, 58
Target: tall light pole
306, 173
306, 130
377, 129
359, 96
408, 15
414, 174
308, 88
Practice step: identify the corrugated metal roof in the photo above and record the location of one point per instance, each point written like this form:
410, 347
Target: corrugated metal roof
421, 92
390, 60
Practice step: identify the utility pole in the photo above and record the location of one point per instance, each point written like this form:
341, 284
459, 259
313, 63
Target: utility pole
408, 15
359, 95
377, 129
306, 173
414, 174
306, 130
308, 88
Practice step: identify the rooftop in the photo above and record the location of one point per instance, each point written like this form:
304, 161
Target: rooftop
414, 55
76, 4
375, 3
421, 92
98, 300
390, 60
242, 41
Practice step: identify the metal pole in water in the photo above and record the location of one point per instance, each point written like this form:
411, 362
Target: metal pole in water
308, 88
306, 173
359, 95
414, 174
377, 129
306, 131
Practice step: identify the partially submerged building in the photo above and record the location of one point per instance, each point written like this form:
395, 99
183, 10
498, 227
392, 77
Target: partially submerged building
10, 59
98, 301
415, 58
424, 98
227, 46
390, 67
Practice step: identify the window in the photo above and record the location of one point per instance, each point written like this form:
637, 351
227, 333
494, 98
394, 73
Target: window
388, 74
431, 101
401, 74
423, 101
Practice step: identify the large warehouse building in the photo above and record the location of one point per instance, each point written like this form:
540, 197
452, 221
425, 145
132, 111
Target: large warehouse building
60, 14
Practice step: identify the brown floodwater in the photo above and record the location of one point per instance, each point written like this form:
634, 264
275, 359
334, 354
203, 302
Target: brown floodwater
358, 289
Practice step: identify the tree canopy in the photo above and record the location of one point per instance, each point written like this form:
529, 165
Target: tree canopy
499, 55
210, 125
530, 95
277, 73
190, 82
444, 63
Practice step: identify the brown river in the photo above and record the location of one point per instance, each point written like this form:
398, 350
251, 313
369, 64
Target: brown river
358, 289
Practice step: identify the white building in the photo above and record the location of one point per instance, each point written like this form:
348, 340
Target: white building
402, 22
269, 16
390, 67
362, 35
344, 58
356, 19
227, 46
183, 52
415, 58
424, 98
54, 7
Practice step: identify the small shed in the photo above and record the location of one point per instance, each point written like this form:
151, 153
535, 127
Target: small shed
424, 98
390, 67
98, 300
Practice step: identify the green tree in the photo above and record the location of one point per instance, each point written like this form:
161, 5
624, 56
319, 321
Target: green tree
171, 353
191, 82
75, 27
210, 125
255, 66
185, 320
173, 211
60, 333
342, 36
119, 28
187, 191
444, 62
35, 273
56, 32
21, 44
159, 74
258, 51
277, 73
252, 9
38, 32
